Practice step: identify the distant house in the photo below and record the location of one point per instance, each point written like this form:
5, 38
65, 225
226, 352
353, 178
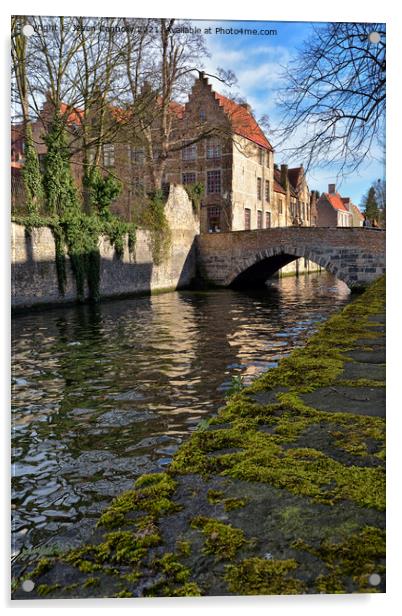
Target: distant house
357, 216
333, 210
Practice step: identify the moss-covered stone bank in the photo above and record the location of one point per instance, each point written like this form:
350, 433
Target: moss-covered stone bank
282, 492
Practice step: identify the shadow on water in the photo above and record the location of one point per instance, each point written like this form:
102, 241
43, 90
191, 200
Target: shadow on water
103, 393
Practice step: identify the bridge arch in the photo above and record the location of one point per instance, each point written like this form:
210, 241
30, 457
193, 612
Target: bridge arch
353, 254
261, 266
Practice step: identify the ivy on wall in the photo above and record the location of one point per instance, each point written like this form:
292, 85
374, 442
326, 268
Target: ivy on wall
195, 193
53, 201
31, 175
75, 231
154, 220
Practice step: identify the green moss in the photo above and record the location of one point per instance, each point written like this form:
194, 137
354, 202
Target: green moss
183, 547
361, 383
91, 581
118, 548
71, 587
45, 589
264, 443
215, 496
41, 567
234, 503
176, 578
320, 362
151, 494
222, 540
256, 576
357, 557
304, 471
123, 594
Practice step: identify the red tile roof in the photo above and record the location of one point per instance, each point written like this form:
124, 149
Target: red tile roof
243, 122
336, 201
74, 115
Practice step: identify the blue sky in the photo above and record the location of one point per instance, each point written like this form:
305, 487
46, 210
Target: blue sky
257, 62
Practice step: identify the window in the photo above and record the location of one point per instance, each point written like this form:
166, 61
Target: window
203, 116
214, 219
213, 149
259, 219
267, 196
108, 155
261, 156
190, 152
280, 206
137, 155
188, 178
259, 189
303, 212
213, 182
247, 219
267, 159
267, 220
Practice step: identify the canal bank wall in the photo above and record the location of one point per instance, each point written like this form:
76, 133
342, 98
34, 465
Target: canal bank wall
282, 492
33, 265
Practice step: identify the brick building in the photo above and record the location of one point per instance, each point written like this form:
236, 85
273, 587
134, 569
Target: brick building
336, 211
227, 152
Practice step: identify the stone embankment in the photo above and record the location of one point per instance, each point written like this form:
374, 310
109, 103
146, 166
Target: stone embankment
34, 281
282, 492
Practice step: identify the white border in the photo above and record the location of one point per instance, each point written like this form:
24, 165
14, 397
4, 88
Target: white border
308, 10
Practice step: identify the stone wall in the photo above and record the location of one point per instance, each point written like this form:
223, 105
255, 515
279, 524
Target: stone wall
34, 278
354, 255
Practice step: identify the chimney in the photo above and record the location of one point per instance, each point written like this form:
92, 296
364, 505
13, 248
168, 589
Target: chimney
331, 189
284, 176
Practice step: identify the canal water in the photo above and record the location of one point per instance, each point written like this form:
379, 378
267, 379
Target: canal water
104, 393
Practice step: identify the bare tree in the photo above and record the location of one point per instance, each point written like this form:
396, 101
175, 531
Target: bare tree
334, 102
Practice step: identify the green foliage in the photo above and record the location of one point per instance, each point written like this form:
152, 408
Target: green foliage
73, 228
60, 191
236, 385
103, 190
370, 204
155, 221
31, 175
195, 193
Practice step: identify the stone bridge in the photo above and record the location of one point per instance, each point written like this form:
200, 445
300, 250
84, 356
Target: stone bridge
355, 255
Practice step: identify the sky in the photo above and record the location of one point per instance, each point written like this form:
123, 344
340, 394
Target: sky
257, 62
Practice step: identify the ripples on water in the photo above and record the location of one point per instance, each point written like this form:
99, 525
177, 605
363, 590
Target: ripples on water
102, 394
